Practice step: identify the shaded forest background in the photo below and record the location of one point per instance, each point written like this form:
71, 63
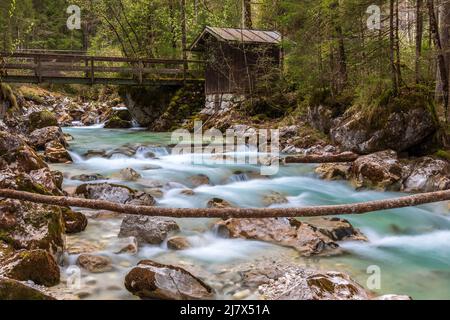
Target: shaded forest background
335, 53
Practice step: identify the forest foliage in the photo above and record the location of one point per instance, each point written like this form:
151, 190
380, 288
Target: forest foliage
336, 51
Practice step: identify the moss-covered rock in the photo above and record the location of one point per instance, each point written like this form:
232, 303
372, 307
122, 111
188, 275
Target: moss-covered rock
74, 222
24, 159
40, 137
8, 100
30, 226
117, 123
406, 122
38, 266
42, 119
11, 289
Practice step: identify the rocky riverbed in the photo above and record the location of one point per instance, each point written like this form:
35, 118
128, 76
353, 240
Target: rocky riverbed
70, 253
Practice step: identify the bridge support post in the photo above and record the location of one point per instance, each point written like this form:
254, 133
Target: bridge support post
92, 71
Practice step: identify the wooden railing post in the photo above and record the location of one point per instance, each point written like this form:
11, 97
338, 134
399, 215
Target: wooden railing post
92, 71
38, 69
140, 66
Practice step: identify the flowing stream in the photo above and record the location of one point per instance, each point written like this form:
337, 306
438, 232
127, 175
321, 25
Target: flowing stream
410, 246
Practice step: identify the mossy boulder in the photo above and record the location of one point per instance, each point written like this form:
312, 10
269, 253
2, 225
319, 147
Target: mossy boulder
403, 123
30, 226
8, 100
42, 119
9, 142
11, 289
24, 159
117, 123
114, 193
74, 221
40, 137
38, 266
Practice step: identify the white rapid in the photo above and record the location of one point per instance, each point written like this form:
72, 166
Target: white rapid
410, 246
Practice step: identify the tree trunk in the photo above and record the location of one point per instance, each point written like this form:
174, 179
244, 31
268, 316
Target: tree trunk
184, 38
442, 64
392, 47
314, 211
247, 14
419, 35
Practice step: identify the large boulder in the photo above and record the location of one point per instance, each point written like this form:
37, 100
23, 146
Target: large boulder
119, 119
151, 280
26, 225
152, 230
400, 131
11, 289
114, 193
40, 137
334, 171
38, 266
24, 159
305, 238
9, 142
381, 170
42, 119
426, 175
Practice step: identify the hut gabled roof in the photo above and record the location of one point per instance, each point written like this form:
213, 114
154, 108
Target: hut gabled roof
237, 36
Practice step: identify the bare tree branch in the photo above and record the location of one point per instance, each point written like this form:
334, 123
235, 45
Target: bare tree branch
314, 211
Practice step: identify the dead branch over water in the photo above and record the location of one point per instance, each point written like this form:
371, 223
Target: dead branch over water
312, 211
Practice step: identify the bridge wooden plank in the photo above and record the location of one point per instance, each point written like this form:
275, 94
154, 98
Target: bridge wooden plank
88, 81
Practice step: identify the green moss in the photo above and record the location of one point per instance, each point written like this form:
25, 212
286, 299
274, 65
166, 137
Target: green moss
42, 119
443, 154
7, 95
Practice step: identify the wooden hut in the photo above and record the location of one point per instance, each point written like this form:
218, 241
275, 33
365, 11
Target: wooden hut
237, 61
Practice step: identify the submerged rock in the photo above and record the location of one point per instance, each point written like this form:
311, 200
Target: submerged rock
130, 174
11, 289
89, 177
301, 284
178, 243
151, 280
94, 263
152, 230
199, 180
35, 265
217, 203
305, 238
126, 245
274, 198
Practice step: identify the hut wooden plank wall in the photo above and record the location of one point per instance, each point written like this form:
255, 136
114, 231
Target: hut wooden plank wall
236, 60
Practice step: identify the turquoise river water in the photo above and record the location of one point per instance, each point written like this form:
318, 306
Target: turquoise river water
410, 246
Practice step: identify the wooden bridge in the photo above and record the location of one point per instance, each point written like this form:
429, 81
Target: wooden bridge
78, 68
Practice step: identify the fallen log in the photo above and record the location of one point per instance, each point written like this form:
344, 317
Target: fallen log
313, 211
311, 158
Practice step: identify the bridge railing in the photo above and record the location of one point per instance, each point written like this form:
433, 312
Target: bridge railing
80, 68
